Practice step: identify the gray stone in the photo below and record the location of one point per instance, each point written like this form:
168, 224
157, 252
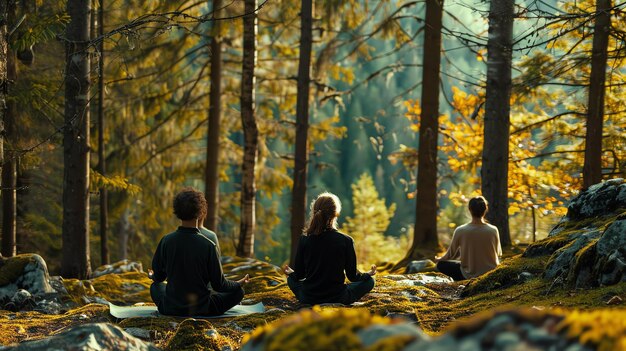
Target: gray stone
505, 340
48, 307
56, 282
469, 344
420, 266
34, 277
565, 258
419, 279
525, 276
96, 336
541, 337
21, 297
498, 323
444, 343
611, 254
600, 199
138, 332
374, 333
123, 266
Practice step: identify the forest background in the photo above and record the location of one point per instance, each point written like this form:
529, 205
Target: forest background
364, 115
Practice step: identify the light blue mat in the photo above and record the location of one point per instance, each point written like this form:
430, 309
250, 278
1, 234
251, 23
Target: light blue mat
122, 312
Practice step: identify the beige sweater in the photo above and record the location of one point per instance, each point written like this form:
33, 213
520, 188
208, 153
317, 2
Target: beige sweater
477, 246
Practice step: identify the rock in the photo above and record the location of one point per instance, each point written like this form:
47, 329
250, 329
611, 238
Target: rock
48, 307
419, 279
611, 254
138, 332
332, 329
21, 297
541, 337
600, 199
420, 266
28, 272
525, 276
565, 258
505, 340
123, 266
56, 282
96, 336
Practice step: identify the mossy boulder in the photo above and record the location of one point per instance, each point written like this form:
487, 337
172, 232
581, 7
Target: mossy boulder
121, 289
92, 336
598, 200
28, 272
511, 329
588, 246
332, 329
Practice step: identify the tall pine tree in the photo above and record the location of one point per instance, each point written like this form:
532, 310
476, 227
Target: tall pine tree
75, 262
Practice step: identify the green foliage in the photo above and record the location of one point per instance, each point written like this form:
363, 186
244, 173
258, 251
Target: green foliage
115, 183
38, 28
369, 223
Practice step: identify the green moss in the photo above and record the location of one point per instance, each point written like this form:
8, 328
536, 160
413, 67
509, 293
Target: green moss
316, 329
437, 314
125, 288
17, 327
393, 343
505, 274
12, 268
569, 229
197, 334
603, 330
585, 258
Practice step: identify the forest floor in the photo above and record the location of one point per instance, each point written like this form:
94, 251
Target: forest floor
433, 307
565, 292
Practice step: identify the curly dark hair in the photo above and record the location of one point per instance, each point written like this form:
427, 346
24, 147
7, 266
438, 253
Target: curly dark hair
478, 206
190, 204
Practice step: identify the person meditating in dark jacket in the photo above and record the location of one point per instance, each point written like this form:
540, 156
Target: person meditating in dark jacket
323, 255
190, 262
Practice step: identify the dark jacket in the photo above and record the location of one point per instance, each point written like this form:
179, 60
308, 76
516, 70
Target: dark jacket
321, 261
189, 261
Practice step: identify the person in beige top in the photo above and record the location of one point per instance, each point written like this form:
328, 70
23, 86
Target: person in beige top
475, 246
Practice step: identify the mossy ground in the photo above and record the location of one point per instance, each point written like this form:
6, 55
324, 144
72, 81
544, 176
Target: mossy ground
17, 327
124, 289
435, 307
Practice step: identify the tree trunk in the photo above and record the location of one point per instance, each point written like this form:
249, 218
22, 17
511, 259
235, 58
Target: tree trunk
104, 204
298, 194
213, 135
592, 168
495, 160
425, 233
123, 234
4, 85
245, 247
9, 169
75, 262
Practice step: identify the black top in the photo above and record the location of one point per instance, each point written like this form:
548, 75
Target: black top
190, 262
321, 261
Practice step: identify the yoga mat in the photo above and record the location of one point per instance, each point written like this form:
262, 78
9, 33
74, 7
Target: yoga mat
122, 312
